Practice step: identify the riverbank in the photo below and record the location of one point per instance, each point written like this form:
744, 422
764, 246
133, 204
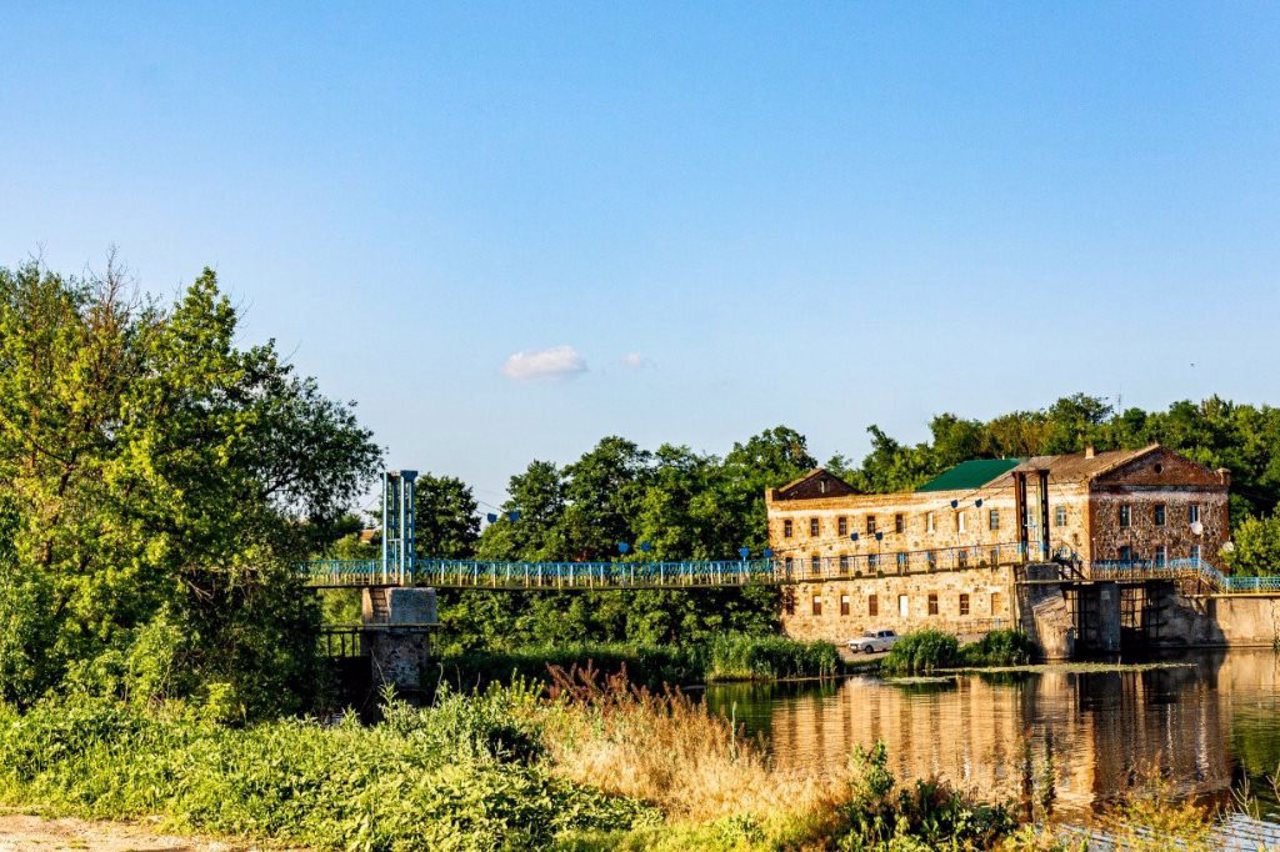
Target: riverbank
600, 766
728, 657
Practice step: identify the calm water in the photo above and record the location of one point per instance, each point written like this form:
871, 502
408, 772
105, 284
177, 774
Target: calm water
1207, 728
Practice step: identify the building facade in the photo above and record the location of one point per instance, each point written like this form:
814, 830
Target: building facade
943, 555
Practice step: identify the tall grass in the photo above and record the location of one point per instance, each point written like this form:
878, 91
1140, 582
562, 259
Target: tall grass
730, 656
465, 775
926, 651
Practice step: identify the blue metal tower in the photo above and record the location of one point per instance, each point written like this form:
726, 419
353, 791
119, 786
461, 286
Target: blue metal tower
398, 525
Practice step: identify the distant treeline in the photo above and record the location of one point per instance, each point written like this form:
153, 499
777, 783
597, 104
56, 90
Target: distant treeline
689, 505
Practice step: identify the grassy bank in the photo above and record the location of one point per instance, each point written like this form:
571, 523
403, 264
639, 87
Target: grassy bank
727, 657
596, 768
600, 766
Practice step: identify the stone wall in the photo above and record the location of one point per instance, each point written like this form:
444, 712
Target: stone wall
917, 523
846, 608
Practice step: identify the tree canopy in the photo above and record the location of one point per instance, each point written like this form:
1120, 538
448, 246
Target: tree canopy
157, 484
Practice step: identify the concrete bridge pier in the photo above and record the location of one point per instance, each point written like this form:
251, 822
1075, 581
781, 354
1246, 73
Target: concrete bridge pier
395, 632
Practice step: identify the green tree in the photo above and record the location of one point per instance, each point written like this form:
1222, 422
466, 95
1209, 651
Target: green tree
447, 524
1255, 549
155, 474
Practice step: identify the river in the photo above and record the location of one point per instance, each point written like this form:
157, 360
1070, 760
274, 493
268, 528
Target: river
1207, 727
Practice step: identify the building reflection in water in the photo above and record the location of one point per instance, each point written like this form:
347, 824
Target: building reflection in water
1107, 732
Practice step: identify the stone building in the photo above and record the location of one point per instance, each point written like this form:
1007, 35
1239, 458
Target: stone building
943, 555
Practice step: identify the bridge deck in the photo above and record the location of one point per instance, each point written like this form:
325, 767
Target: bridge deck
552, 576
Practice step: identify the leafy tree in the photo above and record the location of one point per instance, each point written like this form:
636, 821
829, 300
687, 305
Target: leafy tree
1255, 546
156, 475
447, 523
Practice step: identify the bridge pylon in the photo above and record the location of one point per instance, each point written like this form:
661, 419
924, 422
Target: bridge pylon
398, 507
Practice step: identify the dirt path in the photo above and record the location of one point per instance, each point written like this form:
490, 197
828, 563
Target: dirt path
22, 833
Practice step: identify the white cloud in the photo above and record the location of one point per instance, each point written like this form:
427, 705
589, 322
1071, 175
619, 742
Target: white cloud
556, 362
634, 360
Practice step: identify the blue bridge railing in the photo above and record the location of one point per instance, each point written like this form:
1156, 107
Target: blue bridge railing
471, 573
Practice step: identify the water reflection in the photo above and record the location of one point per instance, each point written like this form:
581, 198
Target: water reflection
1200, 728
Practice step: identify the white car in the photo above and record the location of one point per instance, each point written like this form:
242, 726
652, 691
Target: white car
873, 641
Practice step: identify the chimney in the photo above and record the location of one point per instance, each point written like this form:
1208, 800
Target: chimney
1088, 452
1224, 476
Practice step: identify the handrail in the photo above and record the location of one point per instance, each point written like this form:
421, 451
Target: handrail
493, 574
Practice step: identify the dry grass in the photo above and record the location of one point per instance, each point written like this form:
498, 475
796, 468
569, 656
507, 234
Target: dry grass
669, 750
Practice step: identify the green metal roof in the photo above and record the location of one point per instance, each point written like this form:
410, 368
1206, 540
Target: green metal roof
969, 475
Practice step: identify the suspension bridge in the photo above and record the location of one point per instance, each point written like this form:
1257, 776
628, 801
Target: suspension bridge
398, 565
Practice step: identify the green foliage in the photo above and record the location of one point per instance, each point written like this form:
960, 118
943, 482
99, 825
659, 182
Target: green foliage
726, 657
925, 651
1000, 648
927, 815
156, 486
446, 525
462, 775
1256, 549
922, 652
736, 656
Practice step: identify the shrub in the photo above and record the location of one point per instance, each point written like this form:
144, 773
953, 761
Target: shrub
736, 656
1000, 648
922, 652
463, 775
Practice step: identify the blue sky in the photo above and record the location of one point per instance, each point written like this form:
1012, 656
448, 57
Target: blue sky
718, 217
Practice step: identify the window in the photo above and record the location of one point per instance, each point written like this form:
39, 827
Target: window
1124, 516
1159, 514
995, 556
786, 528
844, 564
815, 565
789, 602
931, 559
928, 522
873, 605
1193, 513
964, 604
903, 561
873, 561
904, 606
993, 519
1195, 553
817, 604
997, 603
959, 521
1060, 516
962, 558
933, 603
871, 524
1126, 553
844, 604
813, 527
1162, 554
842, 527
899, 523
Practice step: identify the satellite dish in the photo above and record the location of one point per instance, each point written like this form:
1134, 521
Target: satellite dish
1197, 528
1229, 547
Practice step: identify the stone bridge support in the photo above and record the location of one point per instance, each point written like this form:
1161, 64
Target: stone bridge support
396, 627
